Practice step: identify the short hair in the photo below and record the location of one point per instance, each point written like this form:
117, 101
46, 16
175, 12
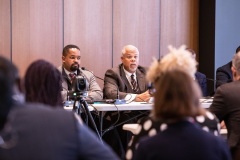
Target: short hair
236, 62
129, 48
43, 84
8, 78
66, 49
176, 97
180, 59
238, 49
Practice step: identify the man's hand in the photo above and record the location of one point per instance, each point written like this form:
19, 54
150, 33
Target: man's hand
143, 97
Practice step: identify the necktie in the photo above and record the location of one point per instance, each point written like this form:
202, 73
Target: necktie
72, 76
134, 84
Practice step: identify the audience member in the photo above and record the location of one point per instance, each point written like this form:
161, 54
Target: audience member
71, 60
128, 80
200, 77
42, 83
176, 102
224, 73
175, 60
33, 131
225, 105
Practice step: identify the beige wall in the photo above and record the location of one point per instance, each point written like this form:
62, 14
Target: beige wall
5, 34
41, 28
37, 31
178, 24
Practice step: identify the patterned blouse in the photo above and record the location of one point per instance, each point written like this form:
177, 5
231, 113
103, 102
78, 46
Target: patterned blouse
149, 127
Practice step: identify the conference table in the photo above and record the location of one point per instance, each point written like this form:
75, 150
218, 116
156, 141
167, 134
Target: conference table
102, 108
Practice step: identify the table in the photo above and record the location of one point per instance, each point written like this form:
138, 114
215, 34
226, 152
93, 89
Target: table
103, 107
122, 107
205, 103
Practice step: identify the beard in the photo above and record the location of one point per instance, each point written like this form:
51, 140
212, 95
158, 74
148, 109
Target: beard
74, 67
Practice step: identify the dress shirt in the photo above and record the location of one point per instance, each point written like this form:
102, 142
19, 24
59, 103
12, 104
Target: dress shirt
130, 97
67, 72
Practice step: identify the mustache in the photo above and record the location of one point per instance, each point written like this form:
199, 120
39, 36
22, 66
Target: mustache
74, 68
75, 63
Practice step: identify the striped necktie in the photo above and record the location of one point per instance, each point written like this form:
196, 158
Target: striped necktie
72, 76
134, 83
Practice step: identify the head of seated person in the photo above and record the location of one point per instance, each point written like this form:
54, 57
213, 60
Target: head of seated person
180, 59
176, 93
42, 84
9, 87
176, 97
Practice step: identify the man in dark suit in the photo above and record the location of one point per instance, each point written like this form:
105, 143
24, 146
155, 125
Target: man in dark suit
202, 81
224, 73
120, 78
226, 105
127, 80
200, 77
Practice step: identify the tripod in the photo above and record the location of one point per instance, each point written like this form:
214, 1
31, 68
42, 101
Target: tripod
82, 104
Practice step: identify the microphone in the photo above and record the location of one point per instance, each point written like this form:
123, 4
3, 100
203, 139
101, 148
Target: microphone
116, 101
83, 68
210, 79
215, 80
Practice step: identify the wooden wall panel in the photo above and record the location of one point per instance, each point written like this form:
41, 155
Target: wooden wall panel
137, 23
5, 36
88, 24
179, 24
41, 28
37, 32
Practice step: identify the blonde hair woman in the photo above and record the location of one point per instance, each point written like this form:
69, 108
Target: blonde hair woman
176, 101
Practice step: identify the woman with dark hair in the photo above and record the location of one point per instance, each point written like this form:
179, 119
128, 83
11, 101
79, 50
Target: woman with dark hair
34, 131
43, 84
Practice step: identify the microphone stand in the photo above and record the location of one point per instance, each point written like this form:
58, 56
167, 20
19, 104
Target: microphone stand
123, 122
83, 104
117, 101
77, 94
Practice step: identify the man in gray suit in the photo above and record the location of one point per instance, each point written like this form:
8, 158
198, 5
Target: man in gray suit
121, 78
226, 105
71, 60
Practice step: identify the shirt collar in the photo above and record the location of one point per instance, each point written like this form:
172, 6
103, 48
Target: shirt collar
128, 75
67, 72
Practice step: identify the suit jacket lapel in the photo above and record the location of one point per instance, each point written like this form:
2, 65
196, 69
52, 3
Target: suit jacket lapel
125, 81
141, 80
